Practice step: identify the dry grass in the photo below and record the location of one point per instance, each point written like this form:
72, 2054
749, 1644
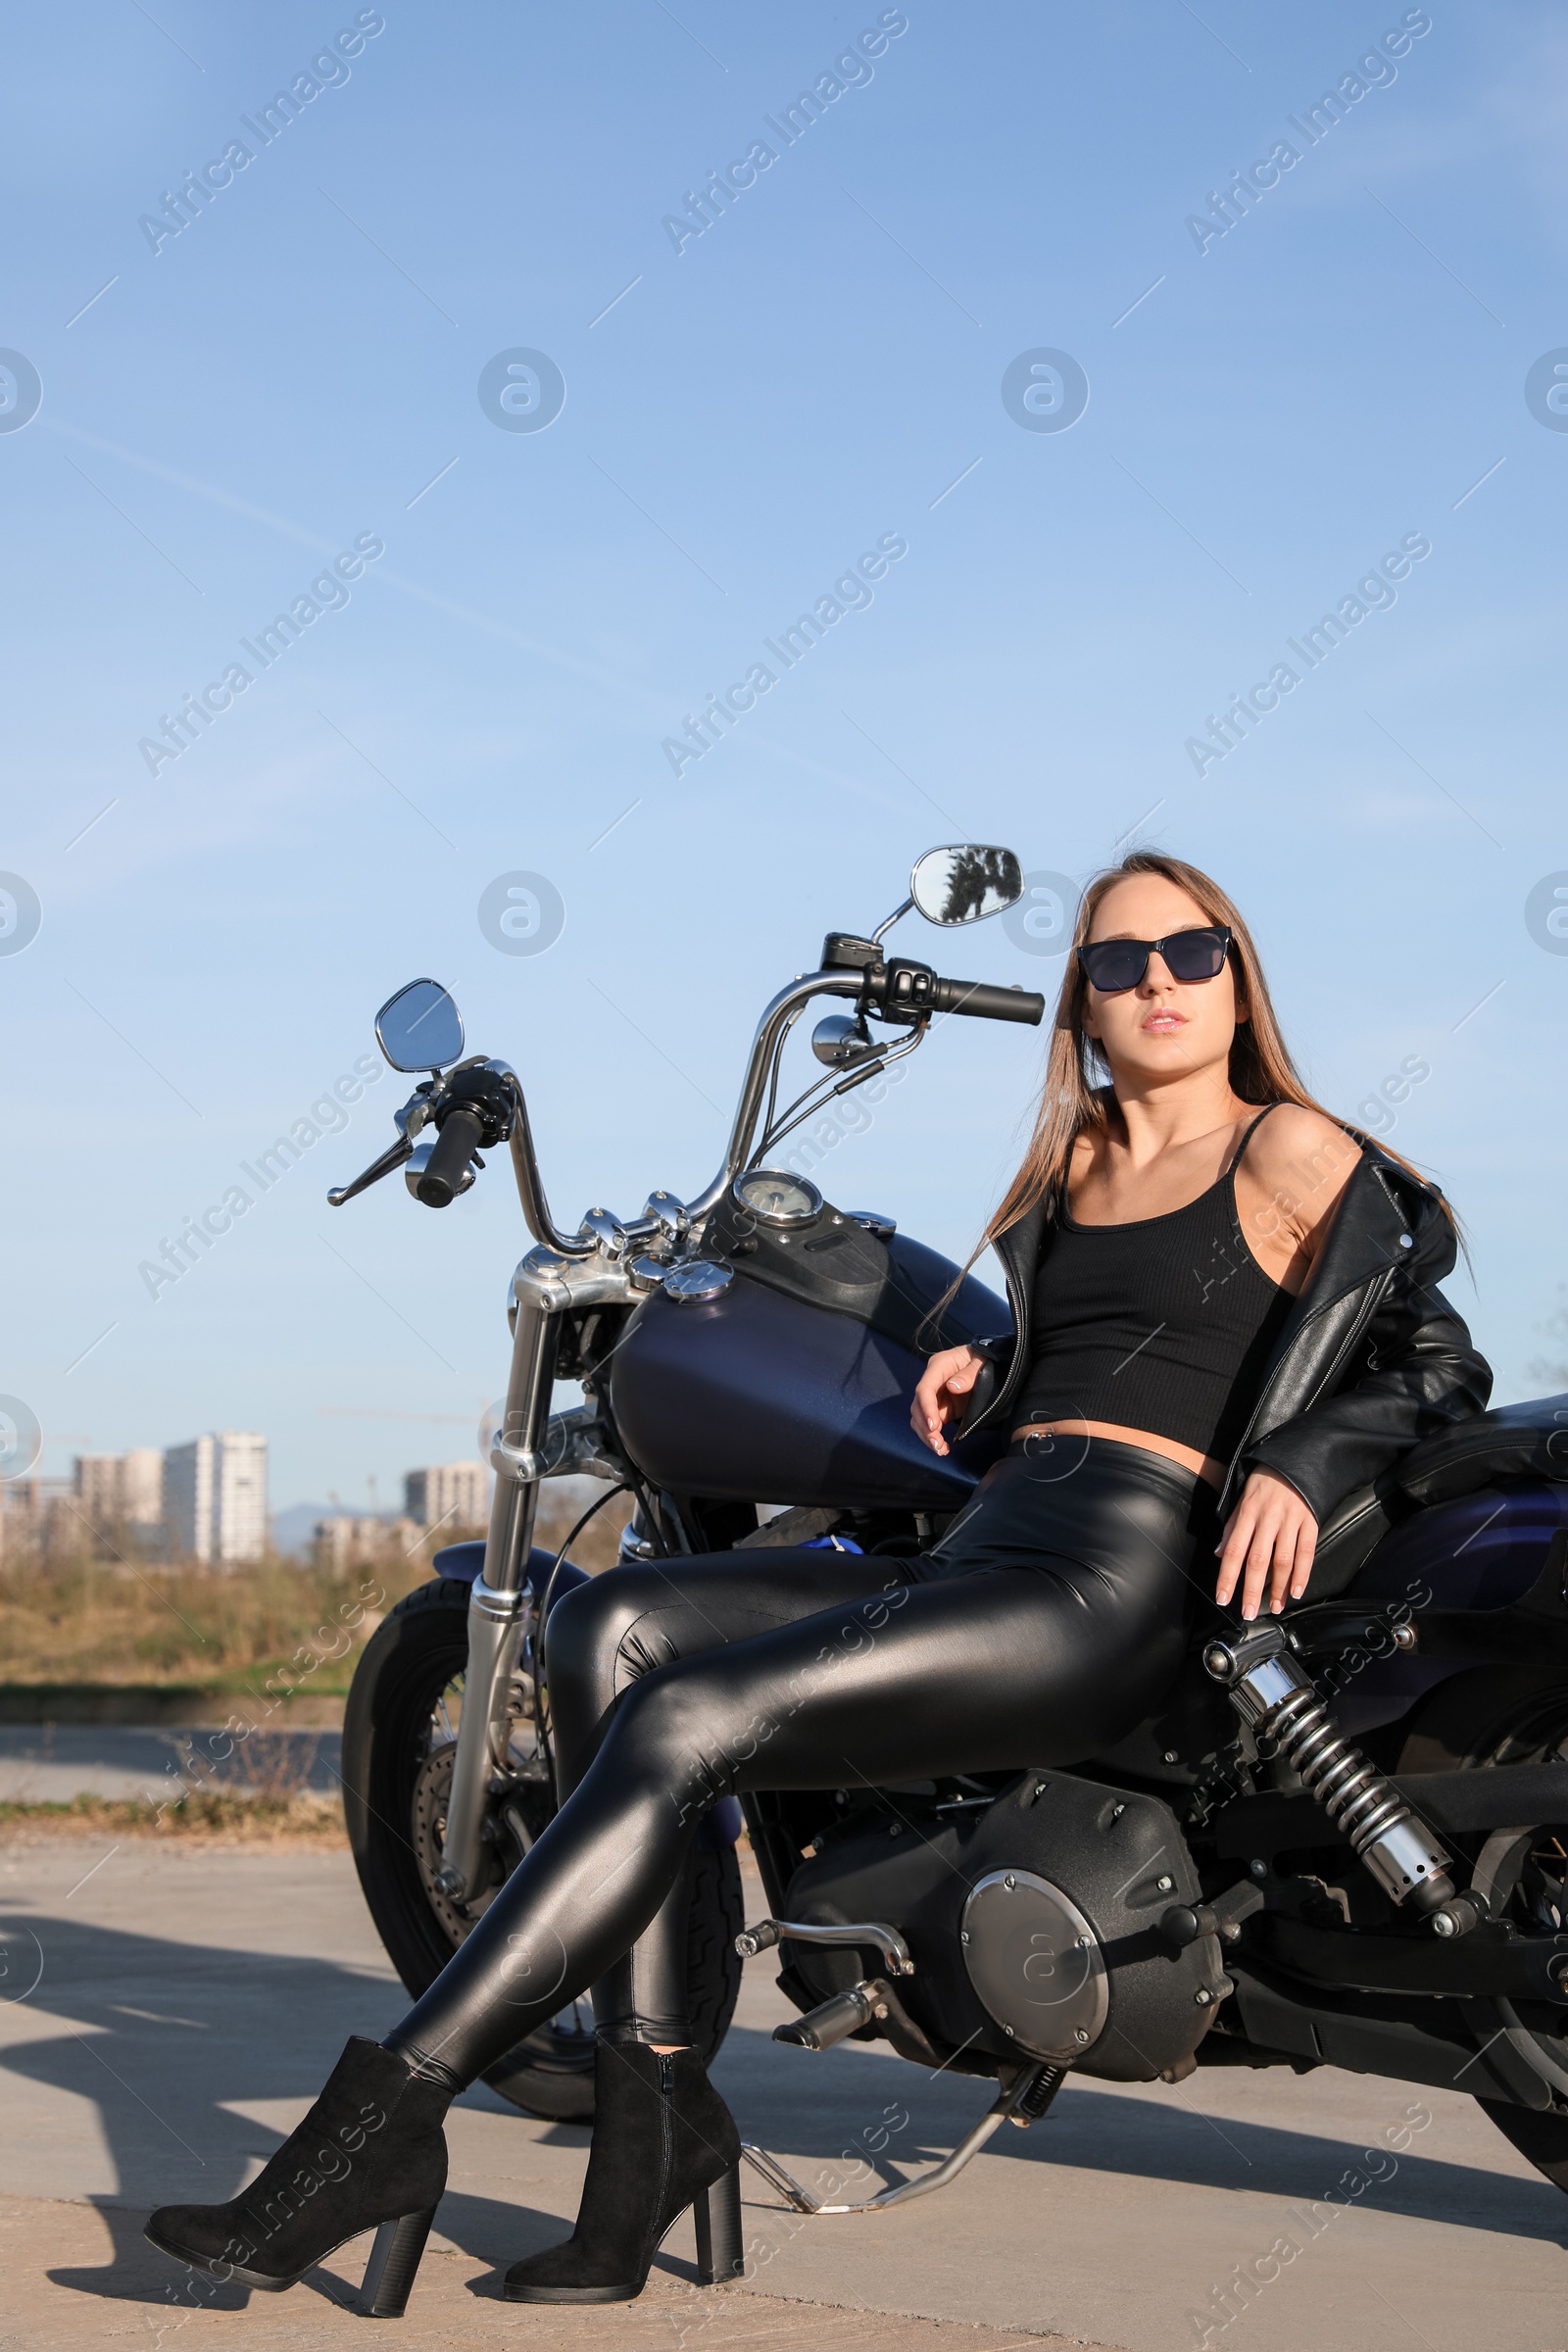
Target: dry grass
208, 1816
278, 1624
95, 1621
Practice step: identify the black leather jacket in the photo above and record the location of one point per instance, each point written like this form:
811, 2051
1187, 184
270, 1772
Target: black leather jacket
1371, 1359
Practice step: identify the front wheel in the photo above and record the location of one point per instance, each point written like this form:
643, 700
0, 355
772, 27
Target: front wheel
399, 1739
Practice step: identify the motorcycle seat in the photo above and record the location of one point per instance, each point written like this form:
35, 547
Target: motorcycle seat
1526, 1441
1514, 1440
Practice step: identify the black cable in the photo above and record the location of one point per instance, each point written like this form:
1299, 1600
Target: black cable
541, 1736
654, 1517
769, 1135
834, 1086
886, 1055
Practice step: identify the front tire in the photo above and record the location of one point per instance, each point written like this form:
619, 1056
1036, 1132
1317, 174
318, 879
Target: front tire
399, 1730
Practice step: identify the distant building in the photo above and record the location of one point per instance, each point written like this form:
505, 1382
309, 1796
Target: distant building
142, 1486
345, 1541
215, 1497
188, 1498
451, 1494
38, 1516
120, 1489
97, 1486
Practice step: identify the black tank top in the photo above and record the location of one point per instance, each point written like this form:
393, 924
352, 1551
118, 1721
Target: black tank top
1163, 1323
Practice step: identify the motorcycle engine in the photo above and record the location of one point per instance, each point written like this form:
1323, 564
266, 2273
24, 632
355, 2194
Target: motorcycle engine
1034, 1926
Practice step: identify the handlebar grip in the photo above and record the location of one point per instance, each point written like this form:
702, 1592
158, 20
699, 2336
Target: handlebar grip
456, 1145
987, 1003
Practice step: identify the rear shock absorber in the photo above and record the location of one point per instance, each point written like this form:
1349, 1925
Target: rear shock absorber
1273, 1694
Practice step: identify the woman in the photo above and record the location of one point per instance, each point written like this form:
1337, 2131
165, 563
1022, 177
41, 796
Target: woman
1224, 1322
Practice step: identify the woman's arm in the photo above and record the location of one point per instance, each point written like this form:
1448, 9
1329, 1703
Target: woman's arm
1287, 1187
1288, 1184
943, 1394
1269, 1540
1414, 1373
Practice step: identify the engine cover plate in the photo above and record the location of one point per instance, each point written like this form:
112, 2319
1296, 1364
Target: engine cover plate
1099, 1860
1036, 1962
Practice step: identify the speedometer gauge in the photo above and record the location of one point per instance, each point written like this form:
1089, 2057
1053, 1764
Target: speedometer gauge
776, 1198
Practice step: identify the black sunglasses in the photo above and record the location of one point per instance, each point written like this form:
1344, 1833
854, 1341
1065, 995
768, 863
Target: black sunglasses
1113, 965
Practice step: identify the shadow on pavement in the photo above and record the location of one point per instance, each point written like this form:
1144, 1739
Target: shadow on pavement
167, 2037
820, 2116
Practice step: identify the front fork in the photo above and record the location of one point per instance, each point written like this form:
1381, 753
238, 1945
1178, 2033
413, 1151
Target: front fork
499, 1598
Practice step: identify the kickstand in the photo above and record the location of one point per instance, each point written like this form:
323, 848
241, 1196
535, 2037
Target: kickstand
1027, 2100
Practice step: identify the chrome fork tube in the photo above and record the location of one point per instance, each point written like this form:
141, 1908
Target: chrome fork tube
499, 1596
521, 1441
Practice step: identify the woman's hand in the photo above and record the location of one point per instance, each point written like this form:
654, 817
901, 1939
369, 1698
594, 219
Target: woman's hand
939, 1400
1271, 1536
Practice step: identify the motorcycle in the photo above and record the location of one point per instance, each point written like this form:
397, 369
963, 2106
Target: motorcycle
1343, 1838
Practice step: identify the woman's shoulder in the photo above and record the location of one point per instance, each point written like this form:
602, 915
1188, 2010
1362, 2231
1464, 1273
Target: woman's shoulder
1286, 1130
1302, 1158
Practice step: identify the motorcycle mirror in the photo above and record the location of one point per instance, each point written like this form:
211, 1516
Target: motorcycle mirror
842, 1041
965, 882
419, 1028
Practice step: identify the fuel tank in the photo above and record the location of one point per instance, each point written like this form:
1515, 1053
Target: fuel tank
772, 1394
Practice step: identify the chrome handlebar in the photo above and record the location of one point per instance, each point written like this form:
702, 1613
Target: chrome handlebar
530, 1186
770, 1030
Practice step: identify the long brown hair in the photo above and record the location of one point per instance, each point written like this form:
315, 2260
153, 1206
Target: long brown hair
1076, 1093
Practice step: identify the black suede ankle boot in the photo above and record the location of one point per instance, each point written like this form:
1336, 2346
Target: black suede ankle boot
371, 2155
664, 2140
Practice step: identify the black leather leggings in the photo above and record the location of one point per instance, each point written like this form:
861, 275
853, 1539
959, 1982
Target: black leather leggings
1043, 1627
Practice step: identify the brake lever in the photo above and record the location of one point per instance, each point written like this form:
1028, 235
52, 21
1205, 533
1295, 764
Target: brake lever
392, 1157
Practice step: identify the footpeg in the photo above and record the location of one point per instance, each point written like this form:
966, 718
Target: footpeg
1275, 1696
1184, 1922
868, 1935
834, 2019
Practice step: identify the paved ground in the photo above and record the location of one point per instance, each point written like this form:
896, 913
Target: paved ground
50, 1763
168, 2016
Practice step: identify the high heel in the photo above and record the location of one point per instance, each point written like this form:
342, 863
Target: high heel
369, 2155
389, 2273
663, 2141
720, 2243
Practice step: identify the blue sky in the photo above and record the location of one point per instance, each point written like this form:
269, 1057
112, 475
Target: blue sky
1271, 410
